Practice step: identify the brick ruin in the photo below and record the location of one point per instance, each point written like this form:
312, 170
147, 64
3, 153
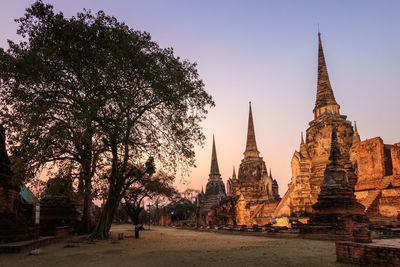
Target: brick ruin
336, 210
255, 191
253, 180
309, 163
384, 252
378, 184
215, 191
15, 215
251, 197
371, 167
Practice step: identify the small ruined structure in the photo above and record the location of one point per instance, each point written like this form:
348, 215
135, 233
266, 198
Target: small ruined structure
378, 185
336, 210
162, 218
15, 215
59, 207
309, 163
215, 190
253, 195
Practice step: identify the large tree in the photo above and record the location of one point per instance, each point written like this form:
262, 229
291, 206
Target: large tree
89, 91
49, 81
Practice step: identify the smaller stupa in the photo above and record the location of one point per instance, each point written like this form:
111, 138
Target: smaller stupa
337, 207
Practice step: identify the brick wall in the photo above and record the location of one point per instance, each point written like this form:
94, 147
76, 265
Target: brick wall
368, 254
7, 198
395, 153
371, 163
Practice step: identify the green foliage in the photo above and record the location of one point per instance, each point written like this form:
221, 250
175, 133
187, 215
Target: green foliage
92, 81
47, 107
19, 171
60, 186
180, 209
58, 191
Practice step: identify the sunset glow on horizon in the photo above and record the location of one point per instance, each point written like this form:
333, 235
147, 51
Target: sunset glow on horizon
266, 52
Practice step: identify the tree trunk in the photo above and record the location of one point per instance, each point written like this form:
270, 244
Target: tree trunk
102, 229
135, 217
133, 211
86, 222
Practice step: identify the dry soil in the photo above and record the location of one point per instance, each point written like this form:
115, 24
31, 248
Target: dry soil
161, 246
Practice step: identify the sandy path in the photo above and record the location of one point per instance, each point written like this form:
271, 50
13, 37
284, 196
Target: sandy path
173, 247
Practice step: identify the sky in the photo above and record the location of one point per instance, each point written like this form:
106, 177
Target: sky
266, 52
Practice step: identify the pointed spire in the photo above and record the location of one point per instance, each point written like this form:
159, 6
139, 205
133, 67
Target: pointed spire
202, 190
324, 90
214, 162
234, 173
356, 136
251, 146
335, 151
302, 139
270, 173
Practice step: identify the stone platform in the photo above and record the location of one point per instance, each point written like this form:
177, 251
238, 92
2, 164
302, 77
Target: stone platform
381, 252
21, 246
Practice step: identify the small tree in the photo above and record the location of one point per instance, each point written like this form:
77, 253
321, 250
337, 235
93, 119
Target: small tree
157, 185
180, 209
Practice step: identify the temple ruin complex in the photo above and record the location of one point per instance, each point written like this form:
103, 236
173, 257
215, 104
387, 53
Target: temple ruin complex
309, 163
252, 196
371, 168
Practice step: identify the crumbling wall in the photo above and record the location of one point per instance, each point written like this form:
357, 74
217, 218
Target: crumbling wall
395, 153
371, 164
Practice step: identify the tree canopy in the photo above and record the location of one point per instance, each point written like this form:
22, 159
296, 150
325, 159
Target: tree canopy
91, 94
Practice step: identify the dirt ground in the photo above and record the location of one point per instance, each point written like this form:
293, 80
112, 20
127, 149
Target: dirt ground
173, 247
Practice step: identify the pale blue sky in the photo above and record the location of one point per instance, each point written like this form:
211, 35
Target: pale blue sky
266, 52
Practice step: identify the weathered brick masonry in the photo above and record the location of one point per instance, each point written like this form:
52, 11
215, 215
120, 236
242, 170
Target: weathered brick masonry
379, 253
